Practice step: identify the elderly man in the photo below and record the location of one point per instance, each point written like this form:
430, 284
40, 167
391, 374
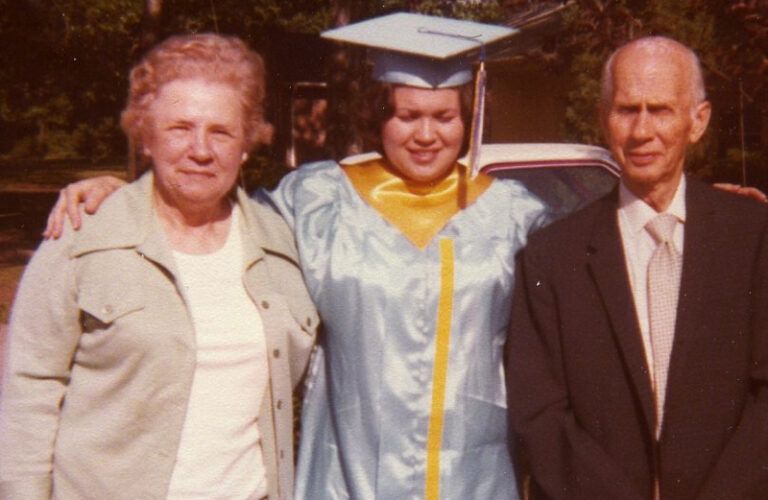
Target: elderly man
638, 350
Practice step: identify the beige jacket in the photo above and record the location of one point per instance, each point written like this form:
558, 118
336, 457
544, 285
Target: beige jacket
101, 354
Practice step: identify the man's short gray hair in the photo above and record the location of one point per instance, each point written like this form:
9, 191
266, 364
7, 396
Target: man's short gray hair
654, 43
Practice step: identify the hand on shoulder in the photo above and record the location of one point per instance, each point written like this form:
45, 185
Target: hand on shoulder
91, 193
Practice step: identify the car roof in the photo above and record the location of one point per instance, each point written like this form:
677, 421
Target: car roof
544, 154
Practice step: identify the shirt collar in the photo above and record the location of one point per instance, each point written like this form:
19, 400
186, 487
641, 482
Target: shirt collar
638, 213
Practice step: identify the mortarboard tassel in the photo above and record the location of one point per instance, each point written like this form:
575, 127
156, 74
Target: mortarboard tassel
478, 118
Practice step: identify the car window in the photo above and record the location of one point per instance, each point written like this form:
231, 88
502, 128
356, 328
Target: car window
563, 189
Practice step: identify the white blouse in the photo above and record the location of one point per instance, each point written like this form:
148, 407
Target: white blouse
220, 451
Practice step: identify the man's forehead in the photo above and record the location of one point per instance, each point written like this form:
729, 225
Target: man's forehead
651, 76
656, 47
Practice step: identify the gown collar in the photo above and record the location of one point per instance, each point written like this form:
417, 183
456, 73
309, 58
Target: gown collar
418, 211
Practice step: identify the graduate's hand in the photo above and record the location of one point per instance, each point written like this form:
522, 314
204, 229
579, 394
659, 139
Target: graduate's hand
89, 192
752, 192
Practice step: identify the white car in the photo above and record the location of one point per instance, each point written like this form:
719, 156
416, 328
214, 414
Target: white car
565, 176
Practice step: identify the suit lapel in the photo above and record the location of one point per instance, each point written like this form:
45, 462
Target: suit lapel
699, 228
605, 259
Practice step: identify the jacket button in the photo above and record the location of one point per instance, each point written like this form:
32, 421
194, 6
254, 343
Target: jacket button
282, 455
309, 321
276, 353
265, 304
279, 404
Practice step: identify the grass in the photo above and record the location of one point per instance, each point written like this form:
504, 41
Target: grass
9, 279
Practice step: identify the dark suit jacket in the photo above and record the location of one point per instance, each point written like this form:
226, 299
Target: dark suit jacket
580, 397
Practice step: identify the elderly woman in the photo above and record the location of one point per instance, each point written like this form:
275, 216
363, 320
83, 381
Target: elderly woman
152, 354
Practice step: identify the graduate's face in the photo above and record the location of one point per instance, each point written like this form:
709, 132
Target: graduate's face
423, 138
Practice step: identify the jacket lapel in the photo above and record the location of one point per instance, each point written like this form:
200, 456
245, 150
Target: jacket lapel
699, 228
607, 265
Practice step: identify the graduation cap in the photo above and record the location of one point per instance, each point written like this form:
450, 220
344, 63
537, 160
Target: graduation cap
428, 52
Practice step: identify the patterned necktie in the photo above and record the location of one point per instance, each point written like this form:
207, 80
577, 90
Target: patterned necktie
664, 271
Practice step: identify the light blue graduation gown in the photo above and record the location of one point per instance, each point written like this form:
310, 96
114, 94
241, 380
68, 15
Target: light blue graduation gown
371, 388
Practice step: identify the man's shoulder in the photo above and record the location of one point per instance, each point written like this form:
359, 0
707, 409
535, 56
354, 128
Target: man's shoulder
733, 208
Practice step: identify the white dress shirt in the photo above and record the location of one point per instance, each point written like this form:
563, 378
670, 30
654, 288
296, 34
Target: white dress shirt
639, 245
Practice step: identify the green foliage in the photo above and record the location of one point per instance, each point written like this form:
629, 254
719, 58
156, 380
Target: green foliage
592, 30
63, 66
731, 39
581, 114
484, 11
251, 20
262, 171
99, 140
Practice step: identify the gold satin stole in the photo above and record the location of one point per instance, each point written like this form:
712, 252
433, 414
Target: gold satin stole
419, 211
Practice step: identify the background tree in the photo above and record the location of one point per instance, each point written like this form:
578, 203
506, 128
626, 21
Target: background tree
62, 65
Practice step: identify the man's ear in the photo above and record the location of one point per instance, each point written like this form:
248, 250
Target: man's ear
700, 120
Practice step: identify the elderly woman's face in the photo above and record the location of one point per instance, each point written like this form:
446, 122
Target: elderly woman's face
196, 141
423, 138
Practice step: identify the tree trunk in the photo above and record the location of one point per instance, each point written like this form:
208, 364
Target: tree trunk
150, 25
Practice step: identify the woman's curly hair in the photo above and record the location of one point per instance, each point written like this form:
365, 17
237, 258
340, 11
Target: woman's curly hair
213, 57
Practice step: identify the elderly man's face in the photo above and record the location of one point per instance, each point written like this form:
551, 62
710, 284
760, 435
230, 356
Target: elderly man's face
652, 117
